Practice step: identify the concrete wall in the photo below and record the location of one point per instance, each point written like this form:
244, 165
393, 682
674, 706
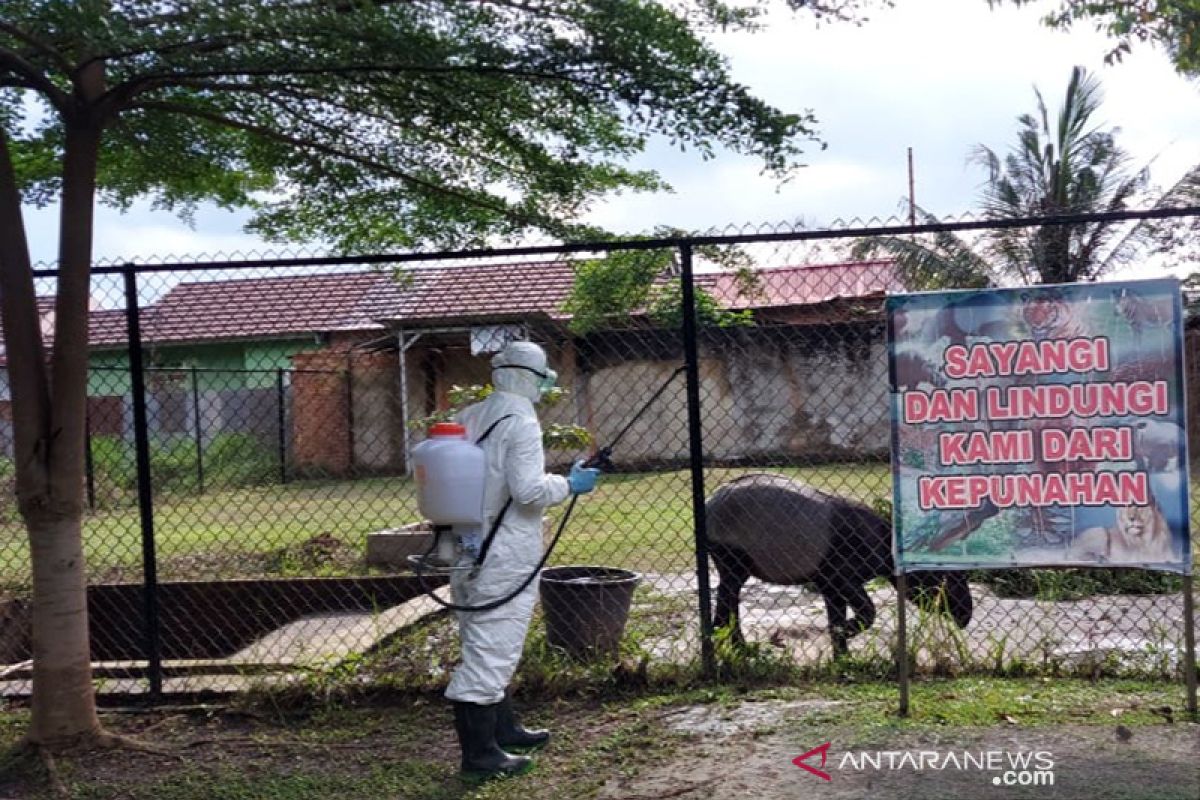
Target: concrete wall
766, 394
221, 365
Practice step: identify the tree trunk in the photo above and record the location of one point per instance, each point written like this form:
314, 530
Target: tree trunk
63, 703
23, 346
64, 707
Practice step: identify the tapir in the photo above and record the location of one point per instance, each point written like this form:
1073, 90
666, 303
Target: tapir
783, 531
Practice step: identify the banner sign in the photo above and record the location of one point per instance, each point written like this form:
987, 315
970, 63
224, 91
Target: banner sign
1041, 426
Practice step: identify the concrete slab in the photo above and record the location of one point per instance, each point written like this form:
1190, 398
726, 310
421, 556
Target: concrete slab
324, 639
391, 548
319, 640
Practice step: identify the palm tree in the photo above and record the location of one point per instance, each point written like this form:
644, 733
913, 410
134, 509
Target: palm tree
1061, 165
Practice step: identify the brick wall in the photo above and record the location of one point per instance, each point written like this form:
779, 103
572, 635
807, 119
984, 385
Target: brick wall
321, 419
377, 433
345, 412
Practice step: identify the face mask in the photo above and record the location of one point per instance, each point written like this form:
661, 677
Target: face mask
546, 382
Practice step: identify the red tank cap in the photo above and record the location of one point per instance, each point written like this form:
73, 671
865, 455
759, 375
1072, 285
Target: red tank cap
448, 429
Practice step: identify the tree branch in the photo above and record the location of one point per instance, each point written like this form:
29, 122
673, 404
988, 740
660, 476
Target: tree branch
133, 88
428, 133
38, 81
205, 45
308, 144
165, 18
36, 44
24, 349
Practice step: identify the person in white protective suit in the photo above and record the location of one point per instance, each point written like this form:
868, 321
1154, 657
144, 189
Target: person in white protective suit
492, 640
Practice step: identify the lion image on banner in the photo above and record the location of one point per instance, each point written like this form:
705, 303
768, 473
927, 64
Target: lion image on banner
1140, 535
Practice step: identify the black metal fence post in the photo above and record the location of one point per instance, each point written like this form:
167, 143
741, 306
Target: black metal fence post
696, 447
350, 443
1189, 642
89, 467
902, 640
199, 431
281, 399
144, 485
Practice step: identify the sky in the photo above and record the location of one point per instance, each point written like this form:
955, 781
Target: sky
939, 76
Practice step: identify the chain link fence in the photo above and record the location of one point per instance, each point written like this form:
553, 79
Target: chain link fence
282, 399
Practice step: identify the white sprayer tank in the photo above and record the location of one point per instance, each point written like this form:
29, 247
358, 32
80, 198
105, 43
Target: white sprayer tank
449, 470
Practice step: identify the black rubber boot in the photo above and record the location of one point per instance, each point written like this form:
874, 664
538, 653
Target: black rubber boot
510, 733
481, 756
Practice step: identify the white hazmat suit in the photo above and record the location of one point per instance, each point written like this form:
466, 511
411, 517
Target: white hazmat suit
492, 641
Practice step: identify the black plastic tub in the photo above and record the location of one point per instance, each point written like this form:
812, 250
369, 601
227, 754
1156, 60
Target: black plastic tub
586, 608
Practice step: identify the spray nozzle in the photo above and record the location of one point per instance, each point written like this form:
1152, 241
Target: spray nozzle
601, 460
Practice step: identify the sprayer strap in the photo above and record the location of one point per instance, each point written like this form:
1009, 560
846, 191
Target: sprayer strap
491, 534
492, 427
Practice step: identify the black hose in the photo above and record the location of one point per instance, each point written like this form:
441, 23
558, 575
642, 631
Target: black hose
418, 567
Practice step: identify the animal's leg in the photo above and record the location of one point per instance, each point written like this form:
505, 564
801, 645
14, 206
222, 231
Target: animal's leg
864, 609
728, 599
837, 597
732, 568
835, 610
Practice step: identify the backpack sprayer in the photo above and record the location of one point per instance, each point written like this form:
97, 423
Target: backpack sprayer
450, 481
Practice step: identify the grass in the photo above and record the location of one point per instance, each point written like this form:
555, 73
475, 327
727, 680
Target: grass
403, 749
1036, 702
638, 521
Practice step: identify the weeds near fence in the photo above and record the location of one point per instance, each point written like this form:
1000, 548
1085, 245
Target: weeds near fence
752, 663
1075, 584
227, 461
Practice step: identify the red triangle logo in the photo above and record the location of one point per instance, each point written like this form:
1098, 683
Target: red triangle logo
824, 751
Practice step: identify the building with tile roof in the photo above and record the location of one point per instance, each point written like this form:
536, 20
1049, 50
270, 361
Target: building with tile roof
320, 353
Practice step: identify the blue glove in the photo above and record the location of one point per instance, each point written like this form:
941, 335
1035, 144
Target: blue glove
582, 479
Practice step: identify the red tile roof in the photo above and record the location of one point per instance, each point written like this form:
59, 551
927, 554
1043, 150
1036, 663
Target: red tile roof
493, 292
106, 328
483, 292
778, 287
276, 307
300, 305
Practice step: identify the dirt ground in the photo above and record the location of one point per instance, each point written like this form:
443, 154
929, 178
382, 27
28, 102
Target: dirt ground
1121, 633
1107, 741
749, 754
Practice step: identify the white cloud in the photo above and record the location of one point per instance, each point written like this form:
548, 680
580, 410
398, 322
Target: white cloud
160, 241
940, 76
144, 234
